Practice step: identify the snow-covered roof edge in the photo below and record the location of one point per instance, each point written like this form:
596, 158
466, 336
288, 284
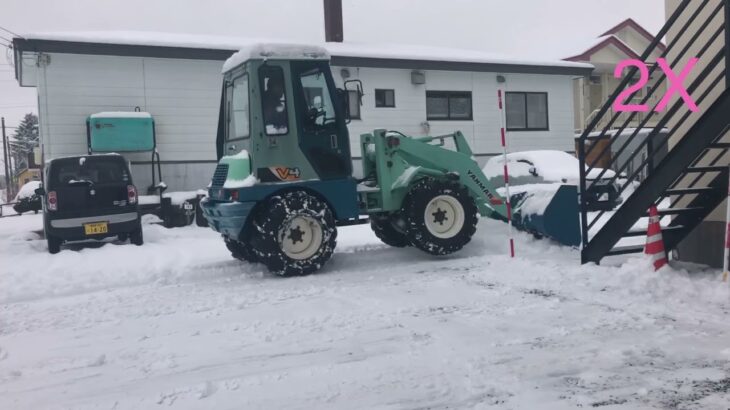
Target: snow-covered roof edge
276, 51
219, 47
121, 114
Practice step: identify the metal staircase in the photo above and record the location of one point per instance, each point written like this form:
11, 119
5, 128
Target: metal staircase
691, 176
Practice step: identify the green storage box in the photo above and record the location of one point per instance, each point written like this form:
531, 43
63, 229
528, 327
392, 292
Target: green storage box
121, 132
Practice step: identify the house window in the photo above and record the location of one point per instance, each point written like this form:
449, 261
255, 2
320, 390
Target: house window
384, 98
448, 105
353, 101
526, 111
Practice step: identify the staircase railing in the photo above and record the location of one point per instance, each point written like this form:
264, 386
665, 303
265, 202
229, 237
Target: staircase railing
653, 143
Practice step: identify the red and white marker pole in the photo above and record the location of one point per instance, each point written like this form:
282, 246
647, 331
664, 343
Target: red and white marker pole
506, 174
726, 255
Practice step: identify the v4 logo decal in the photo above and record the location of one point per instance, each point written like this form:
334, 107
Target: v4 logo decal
287, 173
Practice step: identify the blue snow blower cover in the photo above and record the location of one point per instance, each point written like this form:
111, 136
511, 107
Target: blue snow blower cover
121, 132
549, 210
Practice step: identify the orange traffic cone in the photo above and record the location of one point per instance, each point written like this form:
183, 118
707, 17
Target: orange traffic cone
654, 241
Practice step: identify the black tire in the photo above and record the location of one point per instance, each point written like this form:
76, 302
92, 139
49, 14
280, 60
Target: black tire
123, 237
313, 224
199, 216
54, 244
241, 251
384, 228
451, 228
136, 237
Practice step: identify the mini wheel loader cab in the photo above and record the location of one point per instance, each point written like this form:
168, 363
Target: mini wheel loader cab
284, 179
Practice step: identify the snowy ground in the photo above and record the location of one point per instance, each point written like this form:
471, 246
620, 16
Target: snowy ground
178, 324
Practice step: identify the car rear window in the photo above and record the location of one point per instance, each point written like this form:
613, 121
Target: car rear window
97, 170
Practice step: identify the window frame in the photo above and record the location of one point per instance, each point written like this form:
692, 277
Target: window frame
229, 107
302, 97
359, 106
527, 127
449, 95
385, 104
262, 88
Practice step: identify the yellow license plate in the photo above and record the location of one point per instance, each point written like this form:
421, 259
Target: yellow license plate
96, 228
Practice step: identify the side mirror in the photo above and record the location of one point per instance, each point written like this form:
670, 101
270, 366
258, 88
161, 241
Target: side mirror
344, 100
40, 191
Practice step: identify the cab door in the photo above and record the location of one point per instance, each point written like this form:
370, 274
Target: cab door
323, 136
237, 115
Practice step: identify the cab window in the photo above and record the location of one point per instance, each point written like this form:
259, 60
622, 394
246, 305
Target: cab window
238, 109
273, 93
319, 112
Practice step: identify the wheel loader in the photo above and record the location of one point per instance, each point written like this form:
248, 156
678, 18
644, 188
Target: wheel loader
284, 181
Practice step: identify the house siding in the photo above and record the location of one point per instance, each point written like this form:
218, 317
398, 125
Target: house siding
709, 231
482, 131
184, 96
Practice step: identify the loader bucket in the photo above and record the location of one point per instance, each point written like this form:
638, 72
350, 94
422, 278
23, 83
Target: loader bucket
551, 211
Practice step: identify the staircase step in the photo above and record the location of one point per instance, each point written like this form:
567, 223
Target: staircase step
707, 169
623, 250
677, 211
681, 191
643, 232
719, 145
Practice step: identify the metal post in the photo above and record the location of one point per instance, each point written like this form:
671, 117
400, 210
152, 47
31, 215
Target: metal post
726, 254
506, 174
6, 156
582, 193
727, 43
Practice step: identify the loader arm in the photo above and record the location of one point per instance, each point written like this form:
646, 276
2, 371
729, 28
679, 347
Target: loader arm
397, 160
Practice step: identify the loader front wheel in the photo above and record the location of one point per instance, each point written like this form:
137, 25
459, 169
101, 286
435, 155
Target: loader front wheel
385, 228
295, 234
441, 216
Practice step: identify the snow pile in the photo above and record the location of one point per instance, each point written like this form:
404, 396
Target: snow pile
249, 181
547, 165
28, 190
167, 255
178, 198
179, 323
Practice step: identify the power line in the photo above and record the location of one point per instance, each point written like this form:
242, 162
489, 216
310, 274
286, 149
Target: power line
15, 34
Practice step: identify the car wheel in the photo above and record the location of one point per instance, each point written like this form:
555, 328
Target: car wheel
54, 244
294, 234
441, 216
136, 237
123, 236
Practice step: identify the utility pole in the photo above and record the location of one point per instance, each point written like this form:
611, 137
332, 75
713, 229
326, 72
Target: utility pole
6, 159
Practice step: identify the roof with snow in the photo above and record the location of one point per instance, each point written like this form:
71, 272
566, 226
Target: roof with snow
612, 38
205, 47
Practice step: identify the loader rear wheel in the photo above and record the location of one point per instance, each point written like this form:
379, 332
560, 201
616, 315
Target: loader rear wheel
441, 216
384, 227
295, 234
240, 250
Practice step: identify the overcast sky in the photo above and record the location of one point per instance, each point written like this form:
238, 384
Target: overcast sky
534, 29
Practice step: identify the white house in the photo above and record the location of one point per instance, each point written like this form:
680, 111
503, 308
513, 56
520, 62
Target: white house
177, 78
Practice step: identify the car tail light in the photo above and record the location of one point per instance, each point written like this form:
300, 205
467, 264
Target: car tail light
52, 201
131, 194
234, 195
